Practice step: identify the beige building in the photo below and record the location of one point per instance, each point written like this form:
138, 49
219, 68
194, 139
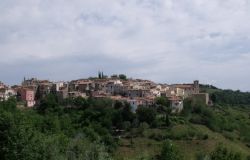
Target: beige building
202, 97
186, 90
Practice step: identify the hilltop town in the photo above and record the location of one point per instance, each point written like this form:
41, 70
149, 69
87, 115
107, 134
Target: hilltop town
122, 118
137, 92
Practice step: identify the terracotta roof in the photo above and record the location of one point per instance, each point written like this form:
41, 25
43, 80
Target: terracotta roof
183, 86
118, 98
174, 98
27, 88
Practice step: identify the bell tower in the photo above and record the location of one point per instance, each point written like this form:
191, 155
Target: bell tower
196, 87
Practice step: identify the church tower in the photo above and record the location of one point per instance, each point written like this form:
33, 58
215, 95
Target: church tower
196, 87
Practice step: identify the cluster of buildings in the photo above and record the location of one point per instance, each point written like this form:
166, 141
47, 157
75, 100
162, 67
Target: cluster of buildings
136, 92
6, 92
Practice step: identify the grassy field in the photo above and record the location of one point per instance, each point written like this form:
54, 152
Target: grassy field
191, 139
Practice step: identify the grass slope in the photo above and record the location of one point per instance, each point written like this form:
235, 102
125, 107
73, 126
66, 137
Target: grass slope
191, 139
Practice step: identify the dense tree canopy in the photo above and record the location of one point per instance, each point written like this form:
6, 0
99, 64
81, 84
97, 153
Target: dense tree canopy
91, 129
146, 114
29, 135
122, 76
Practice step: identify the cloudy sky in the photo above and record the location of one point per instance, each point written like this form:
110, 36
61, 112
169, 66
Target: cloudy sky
162, 40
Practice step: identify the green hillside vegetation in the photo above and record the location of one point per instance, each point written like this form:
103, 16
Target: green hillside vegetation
100, 129
194, 136
226, 97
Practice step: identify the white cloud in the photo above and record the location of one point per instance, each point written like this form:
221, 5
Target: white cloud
166, 40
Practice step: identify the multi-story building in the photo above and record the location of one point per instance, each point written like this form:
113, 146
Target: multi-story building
100, 85
6, 93
176, 104
114, 87
33, 82
28, 95
57, 86
63, 93
186, 90
44, 88
2, 85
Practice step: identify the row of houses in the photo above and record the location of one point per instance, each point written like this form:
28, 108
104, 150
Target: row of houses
136, 92
6, 92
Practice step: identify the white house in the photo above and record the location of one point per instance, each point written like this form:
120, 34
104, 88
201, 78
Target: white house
5, 94
114, 87
176, 104
155, 92
58, 85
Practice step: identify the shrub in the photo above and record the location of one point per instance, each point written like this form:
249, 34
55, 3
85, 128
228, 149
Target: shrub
228, 136
157, 136
169, 152
248, 157
126, 125
146, 114
143, 126
222, 153
205, 136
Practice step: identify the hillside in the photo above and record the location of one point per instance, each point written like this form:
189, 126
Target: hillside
102, 129
226, 97
191, 139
